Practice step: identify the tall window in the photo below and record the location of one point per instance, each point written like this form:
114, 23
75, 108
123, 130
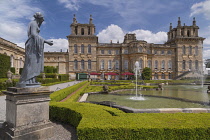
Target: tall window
21, 63
163, 64
102, 51
89, 64
169, 64
183, 64
156, 64
116, 64
190, 50
109, 51
162, 76
82, 31
169, 76
75, 48
183, 50
102, 64
190, 64
196, 50
141, 63
110, 64
125, 51
89, 48
82, 49
162, 52
82, 64
117, 51
140, 49
148, 51
75, 64
149, 64
156, 76
126, 64
169, 52
196, 64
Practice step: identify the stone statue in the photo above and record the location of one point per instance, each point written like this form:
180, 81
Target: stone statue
34, 54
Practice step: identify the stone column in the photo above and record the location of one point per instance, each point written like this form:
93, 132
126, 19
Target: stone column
27, 114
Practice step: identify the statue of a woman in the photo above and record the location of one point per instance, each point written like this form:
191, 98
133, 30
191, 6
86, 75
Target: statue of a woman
34, 54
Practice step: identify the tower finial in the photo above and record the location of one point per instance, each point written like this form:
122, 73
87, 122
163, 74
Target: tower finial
91, 20
74, 19
170, 28
179, 21
194, 22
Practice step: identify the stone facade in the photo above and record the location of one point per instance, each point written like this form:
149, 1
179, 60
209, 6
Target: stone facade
16, 53
178, 56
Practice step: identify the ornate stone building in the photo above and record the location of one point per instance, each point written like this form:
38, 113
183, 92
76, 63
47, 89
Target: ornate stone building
180, 56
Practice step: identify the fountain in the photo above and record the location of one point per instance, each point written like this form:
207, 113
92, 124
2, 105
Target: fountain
137, 72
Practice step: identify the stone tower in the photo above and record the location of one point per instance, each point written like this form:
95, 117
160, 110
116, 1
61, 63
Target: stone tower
82, 47
188, 47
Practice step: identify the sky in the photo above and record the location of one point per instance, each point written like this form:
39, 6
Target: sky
148, 19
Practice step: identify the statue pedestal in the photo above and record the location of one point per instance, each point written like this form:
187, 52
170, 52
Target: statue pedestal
27, 114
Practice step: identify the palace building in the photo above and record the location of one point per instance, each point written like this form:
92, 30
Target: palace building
180, 56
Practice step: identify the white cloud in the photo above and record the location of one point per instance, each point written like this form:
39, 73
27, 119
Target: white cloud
58, 44
112, 32
201, 8
115, 33
206, 54
159, 37
70, 4
12, 17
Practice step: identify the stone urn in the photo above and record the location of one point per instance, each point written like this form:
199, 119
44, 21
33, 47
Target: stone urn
43, 76
9, 75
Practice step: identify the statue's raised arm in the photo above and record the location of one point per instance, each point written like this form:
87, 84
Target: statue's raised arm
34, 54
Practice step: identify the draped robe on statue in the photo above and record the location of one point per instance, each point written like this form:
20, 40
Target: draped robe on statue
34, 54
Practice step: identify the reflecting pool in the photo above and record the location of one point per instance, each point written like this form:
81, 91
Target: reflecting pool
183, 92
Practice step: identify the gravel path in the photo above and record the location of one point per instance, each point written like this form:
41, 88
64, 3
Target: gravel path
62, 131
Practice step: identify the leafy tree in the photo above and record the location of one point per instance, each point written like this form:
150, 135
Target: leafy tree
4, 65
146, 73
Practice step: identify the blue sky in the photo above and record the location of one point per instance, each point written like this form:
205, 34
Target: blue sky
149, 19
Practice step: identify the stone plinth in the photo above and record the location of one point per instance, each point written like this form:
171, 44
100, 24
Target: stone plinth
27, 114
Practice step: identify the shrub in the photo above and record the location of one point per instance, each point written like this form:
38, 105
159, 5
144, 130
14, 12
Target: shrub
4, 65
12, 69
63, 77
50, 69
147, 73
20, 71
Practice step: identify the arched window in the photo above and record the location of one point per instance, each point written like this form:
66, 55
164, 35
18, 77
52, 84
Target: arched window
169, 52
75, 64
102, 64
12, 60
190, 64
82, 64
89, 64
156, 64
149, 64
163, 64
75, 48
190, 50
196, 64
89, 48
196, 50
88, 30
169, 64
110, 64
82, 31
183, 64
140, 63
126, 64
76, 30
82, 48
117, 65
183, 50
140, 49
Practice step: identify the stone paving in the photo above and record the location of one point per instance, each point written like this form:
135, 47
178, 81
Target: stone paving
62, 131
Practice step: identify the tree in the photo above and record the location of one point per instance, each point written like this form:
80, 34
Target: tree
4, 65
146, 73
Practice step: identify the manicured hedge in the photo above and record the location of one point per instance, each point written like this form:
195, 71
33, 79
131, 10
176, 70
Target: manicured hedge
4, 65
96, 122
4, 85
63, 93
50, 69
99, 124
